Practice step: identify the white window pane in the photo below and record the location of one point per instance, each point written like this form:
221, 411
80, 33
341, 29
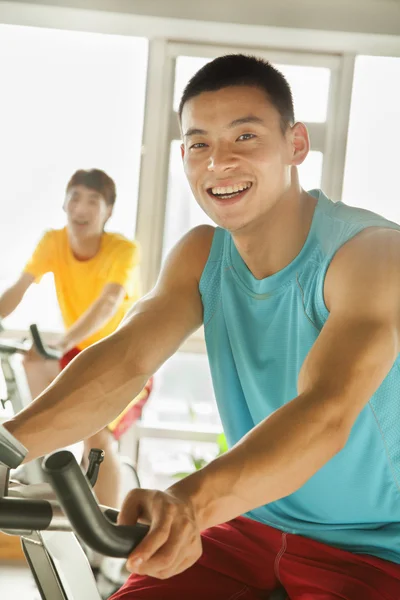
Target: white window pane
182, 397
183, 392
182, 211
186, 67
372, 160
310, 89
310, 172
161, 460
69, 100
310, 86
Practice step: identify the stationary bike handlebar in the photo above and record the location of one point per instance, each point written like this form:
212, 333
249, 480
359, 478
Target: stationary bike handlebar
41, 347
12, 346
80, 506
97, 529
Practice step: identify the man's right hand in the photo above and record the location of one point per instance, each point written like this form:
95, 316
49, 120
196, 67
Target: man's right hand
173, 543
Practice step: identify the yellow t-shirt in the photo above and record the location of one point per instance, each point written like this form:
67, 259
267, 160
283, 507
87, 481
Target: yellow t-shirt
80, 283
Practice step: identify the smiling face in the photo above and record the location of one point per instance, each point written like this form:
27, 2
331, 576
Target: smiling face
87, 211
237, 159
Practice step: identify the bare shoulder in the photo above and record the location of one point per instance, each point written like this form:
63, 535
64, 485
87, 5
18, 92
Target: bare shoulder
193, 249
374, 244
177, 288
201, 236
366, 266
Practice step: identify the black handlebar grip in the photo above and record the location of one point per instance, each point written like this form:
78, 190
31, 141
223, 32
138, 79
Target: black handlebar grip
42, 348
25, 514
79, 504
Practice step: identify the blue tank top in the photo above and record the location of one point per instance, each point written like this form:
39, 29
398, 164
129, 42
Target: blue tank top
258, 333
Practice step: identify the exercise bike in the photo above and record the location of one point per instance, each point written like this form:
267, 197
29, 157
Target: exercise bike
47, 517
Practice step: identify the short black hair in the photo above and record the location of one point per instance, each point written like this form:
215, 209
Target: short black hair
97, 180
243, 70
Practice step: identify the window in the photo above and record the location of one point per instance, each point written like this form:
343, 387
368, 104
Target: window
183, 392
310, 86
182, 397
70, 100
372, 161
163, 462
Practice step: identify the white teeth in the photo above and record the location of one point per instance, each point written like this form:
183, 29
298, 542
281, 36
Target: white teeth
238, 187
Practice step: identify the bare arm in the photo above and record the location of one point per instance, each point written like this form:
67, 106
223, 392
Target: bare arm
93, 319
103, 379
11, 297
353, 354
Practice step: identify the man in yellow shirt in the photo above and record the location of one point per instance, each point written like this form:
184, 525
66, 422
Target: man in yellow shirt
97, 280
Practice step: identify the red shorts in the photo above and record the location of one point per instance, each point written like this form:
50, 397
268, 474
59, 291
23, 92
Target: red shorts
131, 413
246, 560
66, 359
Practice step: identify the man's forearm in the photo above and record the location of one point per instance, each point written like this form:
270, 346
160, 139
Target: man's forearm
101, 311
272, 461
9, 301
83, 399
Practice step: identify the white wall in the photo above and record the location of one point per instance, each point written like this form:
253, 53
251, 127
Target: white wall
362, 16
307, 27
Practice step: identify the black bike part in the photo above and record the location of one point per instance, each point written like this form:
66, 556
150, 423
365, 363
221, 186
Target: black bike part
25, 514
96, 457
79, 504
42, 348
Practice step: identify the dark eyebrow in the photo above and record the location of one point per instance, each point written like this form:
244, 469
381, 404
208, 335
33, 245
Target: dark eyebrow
194, 131
242, 121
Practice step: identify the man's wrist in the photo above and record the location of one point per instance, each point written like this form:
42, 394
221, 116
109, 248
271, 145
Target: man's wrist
192, 489
204, 492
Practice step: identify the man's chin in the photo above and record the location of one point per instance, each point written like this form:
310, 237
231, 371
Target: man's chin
80, 230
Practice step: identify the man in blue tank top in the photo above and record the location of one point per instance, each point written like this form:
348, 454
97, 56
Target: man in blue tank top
300, 300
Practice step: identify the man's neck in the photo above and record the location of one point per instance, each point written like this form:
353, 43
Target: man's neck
275, 241
84, 248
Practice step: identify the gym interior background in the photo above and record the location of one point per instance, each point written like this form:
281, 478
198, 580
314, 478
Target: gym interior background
96, 83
